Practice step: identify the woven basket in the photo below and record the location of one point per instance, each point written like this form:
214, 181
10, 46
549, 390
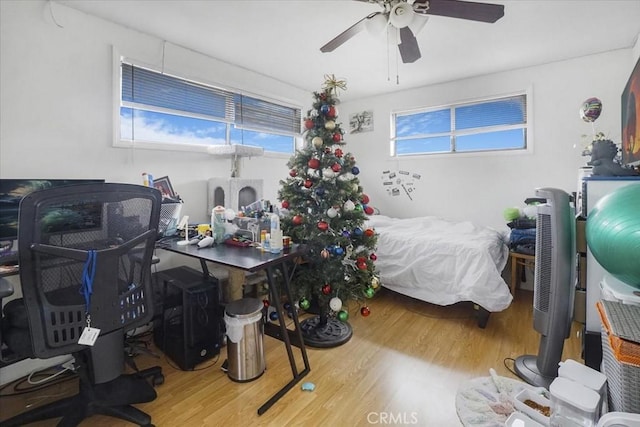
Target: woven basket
621, 365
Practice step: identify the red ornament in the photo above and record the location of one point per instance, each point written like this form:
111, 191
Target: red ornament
297, 219
373, 257
285, 204
338, 153
368, 210
308, 124
362, 266
323, 226
337, 137
313, 163
326, 289
364, 199
365, 311
266, 302
308, 183
369, 232
361, 260
332, 111
293, 173
336, 167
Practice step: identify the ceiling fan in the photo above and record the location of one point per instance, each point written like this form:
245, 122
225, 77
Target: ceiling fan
408, 17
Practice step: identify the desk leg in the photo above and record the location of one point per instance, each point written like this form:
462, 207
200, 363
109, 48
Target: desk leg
205, 269
275, 297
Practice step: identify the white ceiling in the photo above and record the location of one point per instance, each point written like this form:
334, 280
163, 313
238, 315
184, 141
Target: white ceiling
282, 39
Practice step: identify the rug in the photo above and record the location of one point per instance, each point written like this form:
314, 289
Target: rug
488, 401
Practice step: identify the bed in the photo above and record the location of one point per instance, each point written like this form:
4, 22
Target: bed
443, 262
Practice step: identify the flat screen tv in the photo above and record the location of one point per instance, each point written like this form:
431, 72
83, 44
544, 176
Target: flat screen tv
13, 190
631, 119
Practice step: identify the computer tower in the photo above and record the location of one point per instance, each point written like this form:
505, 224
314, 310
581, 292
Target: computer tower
187, 327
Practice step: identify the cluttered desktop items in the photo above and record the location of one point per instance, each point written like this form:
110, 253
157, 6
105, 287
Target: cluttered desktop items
255, 225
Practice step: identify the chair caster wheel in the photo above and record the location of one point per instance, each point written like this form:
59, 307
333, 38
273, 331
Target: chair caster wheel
158, 380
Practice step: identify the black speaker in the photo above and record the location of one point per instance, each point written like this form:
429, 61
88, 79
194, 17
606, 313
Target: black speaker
187, 327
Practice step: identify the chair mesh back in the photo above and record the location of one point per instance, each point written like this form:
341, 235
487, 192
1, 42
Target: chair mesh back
58, 231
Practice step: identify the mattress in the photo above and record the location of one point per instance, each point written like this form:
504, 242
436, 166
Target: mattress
442, 261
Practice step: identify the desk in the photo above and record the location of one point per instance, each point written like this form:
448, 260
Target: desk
252, 260
519, 260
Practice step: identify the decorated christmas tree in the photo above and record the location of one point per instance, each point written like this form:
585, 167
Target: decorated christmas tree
327, 214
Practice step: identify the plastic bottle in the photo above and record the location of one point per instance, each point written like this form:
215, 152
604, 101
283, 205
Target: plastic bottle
217, 223
275, 244
263, 239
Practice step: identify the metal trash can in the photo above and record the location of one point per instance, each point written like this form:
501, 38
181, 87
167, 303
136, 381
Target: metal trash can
243, 319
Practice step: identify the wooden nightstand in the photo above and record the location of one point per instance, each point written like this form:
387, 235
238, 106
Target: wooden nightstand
519, 260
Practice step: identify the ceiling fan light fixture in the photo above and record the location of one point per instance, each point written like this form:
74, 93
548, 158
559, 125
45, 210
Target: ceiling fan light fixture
401, 15
418, 23
376, 24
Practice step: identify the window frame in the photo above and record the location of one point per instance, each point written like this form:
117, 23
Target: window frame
118, 103
527, 127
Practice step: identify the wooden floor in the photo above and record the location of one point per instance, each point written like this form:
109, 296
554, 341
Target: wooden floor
407, 358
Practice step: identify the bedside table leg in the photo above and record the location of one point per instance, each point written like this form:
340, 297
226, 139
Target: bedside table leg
514, 275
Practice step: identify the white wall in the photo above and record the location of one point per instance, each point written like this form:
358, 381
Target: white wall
479, 187
56, 103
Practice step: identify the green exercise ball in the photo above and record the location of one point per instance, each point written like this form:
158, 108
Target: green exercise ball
613, 233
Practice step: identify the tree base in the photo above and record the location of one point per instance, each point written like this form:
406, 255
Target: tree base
333, 334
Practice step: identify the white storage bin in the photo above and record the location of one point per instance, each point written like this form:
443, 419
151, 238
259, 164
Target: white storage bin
619, 419
588, 377
517, 419
573, 404
532, 413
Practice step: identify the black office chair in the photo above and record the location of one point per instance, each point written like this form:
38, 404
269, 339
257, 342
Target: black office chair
85, 254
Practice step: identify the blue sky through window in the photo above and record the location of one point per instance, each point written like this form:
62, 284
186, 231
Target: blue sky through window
498, 124
142, 125
161, 108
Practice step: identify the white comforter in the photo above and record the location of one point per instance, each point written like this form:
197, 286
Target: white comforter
441, 261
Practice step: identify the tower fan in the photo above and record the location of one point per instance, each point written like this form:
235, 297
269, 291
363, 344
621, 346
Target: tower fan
554, 286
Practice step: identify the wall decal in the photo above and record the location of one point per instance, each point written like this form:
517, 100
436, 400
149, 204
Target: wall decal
400, 183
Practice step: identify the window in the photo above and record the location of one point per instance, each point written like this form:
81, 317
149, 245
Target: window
159, 110
488, 125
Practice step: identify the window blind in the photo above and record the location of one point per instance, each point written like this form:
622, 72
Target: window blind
258, 114
142, 87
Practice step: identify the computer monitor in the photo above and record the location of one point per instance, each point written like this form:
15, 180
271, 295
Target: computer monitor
13, 190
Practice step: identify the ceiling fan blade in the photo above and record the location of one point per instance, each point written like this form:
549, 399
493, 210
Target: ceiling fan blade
347, 34
409, 50
483, 12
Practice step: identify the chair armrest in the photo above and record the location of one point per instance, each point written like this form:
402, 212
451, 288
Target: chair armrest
6, 288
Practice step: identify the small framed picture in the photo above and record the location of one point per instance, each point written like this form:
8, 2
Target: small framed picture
361, 122
164, 186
